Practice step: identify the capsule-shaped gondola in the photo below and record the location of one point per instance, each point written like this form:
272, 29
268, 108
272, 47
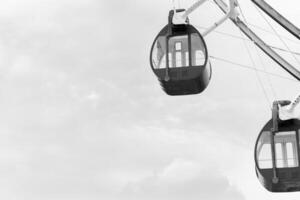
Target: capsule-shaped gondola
179, 59
277, 154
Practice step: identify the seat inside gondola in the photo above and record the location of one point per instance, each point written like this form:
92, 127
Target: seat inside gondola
277, 155
179, 59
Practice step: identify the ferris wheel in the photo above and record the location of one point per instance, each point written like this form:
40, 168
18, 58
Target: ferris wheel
181, 62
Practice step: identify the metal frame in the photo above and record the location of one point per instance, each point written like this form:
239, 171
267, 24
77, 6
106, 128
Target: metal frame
170, 26
229, 13
274, 130
260, 43
285, 23
275, 119
274, 179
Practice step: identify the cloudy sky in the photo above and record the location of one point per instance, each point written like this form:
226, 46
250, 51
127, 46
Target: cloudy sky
83, 116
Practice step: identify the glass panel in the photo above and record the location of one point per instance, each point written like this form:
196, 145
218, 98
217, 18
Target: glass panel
200, 57
286, 149
170, 60
291, 159
186, 58
178, 59
198, 50
279, 157
263, 151
265, 157
159, 53
178, 47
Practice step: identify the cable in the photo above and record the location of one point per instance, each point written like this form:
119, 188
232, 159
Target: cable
253, 63
267, 31
280, 49
223, 33
268, 77
174, 6
251, 68
240, 38
286, 46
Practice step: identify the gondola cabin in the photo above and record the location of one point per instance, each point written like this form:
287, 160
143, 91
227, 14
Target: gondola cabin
179, 59
277, 154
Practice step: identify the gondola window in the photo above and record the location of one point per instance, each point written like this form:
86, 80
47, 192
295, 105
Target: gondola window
286, 149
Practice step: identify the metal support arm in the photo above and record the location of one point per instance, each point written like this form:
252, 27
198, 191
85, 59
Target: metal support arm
260, 43
278, 17
229, 13
288, 111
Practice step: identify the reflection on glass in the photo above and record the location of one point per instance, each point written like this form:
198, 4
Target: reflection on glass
264, 151
286, 149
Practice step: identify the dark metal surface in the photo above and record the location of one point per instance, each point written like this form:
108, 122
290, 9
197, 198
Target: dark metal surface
184, 80
285, 179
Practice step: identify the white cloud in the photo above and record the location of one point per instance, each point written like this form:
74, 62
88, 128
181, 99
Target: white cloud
83, 116
183, 180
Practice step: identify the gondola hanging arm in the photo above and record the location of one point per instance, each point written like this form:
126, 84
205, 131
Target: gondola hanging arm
289, 111
231, 12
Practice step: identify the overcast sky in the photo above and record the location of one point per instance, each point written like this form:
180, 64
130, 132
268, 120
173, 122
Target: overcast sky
83, 116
